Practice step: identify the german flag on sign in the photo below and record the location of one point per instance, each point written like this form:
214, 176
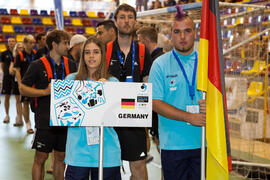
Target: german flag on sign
128, 103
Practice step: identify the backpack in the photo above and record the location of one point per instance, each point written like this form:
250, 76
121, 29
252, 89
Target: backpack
21, 54
46, 63
141, 54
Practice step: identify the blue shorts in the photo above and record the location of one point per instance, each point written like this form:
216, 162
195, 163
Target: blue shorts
181, 164
83, 173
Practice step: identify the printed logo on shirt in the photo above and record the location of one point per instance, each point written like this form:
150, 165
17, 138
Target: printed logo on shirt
112, 61
171, 76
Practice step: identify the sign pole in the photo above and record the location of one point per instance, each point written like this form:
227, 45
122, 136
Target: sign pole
101, 143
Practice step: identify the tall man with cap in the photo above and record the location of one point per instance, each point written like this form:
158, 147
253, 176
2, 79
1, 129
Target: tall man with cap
76, 43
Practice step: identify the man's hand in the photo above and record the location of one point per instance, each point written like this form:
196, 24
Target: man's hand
47, 91
197, 119
202, 104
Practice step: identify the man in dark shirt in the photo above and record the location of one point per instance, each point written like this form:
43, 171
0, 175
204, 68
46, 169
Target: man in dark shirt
76, 43
21, 63
149, 36
48, 138
125, 65
106, 31
9, 83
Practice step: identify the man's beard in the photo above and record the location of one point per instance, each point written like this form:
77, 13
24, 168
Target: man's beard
184, 50
124, 33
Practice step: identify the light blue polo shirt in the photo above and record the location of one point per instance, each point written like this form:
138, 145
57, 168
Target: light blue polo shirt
170, 86
79, 153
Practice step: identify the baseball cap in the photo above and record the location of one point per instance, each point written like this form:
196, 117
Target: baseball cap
76, 39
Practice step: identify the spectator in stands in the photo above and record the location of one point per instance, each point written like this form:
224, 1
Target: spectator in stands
82, 149
21, 63
106, 31
9, 85
48, 138
74, 51
156, 4
125, 55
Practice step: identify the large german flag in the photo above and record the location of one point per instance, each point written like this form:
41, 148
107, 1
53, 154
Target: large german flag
211, 80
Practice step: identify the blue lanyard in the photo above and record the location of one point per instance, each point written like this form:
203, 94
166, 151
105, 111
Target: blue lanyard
30, 59
191, 87
155, 49
133, 58
54, 71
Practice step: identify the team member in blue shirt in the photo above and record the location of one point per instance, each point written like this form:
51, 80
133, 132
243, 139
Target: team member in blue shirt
178, 103
82, 151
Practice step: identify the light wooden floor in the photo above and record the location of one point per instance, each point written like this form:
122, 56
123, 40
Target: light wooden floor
16, 156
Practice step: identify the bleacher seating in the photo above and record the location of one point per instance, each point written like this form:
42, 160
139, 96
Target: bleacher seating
65, 14
47, 21
19, 37
76, 22
3, 11
82, 14
29, 30
3, 47
101, 15
2, 38
86, 22
37, 21
43, 13
24, 12
90, 30
70, 30
18, 29
80, 30
5, 20
73, 14
67, 22
26, 20
13, 12
52, 12
8, 29
16, 20
91, 14
33, 12
39, 29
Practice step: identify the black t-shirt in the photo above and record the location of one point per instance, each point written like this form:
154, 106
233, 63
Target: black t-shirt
6, 58
24, 64
37, 75
156, 53
41, 52
115, 64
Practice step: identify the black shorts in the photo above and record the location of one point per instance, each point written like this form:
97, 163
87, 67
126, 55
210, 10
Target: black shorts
16, 88
7, 86
133, 143
25, 98
46, 140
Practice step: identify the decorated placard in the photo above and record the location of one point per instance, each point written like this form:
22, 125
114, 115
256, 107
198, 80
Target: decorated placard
94, 103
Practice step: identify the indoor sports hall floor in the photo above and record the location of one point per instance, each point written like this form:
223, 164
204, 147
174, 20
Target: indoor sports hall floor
16, 156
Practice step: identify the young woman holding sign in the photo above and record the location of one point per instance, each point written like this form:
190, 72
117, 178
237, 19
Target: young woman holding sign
82, 148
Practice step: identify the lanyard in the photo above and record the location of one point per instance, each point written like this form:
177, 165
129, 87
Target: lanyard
30, 59
133, 58
191, 87
155, 50
54, 70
